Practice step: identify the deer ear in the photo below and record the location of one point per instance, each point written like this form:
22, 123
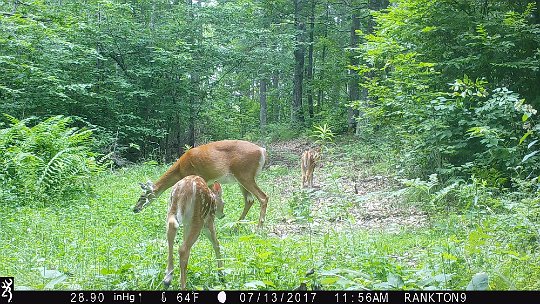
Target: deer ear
217, 187
147, 186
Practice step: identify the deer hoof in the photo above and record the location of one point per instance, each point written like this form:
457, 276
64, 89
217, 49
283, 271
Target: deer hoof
166, 283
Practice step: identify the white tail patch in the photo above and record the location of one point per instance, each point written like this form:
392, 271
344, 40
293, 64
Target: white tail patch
174, 221
262, 161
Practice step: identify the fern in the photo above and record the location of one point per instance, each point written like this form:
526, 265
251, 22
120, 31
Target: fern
11, 119
61, 169
80, 137
50, 160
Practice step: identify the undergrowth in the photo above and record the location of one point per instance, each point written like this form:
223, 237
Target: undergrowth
97, 242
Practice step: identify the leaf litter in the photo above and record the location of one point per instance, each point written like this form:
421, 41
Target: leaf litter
345, 196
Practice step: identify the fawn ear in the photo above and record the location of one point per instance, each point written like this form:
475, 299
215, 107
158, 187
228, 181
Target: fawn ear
143, 186
217, 187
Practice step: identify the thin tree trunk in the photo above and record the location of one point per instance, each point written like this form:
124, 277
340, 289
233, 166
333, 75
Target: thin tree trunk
152, 15
320, 95
352, 114
173, 139
537, 12
310, 67
276, 113
537, 15
373, 5
264, 111
297, 115
191, 124
194, 95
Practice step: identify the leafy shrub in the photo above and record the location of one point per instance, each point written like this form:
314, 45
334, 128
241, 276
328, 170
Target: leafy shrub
300, 205
323, 135
277, 132
472, 133
48, 161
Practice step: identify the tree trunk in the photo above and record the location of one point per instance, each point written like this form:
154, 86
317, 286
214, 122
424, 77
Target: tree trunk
276, 113
99, 62
309, 74
537, 12
373, 5
297, 115
173, 139
320, 95
264, 111
194, 94
152, 15
191, 126
354, 79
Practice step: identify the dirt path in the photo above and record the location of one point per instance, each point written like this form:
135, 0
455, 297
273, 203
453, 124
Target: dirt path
346, 196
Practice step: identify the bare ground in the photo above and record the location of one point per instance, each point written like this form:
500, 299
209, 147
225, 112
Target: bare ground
345, 196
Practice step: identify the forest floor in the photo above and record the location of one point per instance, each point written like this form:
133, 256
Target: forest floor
347, 194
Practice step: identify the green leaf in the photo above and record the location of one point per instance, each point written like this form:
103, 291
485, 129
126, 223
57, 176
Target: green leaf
442, 278
525, 136
479, 281
269, 283
264, 255
254, 284
329, 280
55, 281
532, 143
106, 271
529, 156
48, 273
449, 256
395, 280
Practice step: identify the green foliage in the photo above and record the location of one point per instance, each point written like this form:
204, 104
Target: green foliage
50, 160
300, 205
158, 75
323, 135
477, 136
421, 46
69, 246
155, 76
277, 132
480, 281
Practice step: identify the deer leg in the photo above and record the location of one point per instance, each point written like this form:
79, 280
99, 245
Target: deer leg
210, 233
303, 167
248, 201
190, 236
172, 227
252, 187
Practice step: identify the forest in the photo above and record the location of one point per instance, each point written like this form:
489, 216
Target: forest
422, 116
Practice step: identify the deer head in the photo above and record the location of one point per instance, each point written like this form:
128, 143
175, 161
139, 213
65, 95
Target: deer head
146, 197
217, 192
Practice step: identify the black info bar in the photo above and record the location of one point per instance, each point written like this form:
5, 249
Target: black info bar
240, 297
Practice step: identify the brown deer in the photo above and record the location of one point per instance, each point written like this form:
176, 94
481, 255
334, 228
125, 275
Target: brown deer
195, 206
224, 161
309, 160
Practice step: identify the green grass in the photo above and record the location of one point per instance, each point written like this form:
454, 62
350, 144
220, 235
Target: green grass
98, 243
